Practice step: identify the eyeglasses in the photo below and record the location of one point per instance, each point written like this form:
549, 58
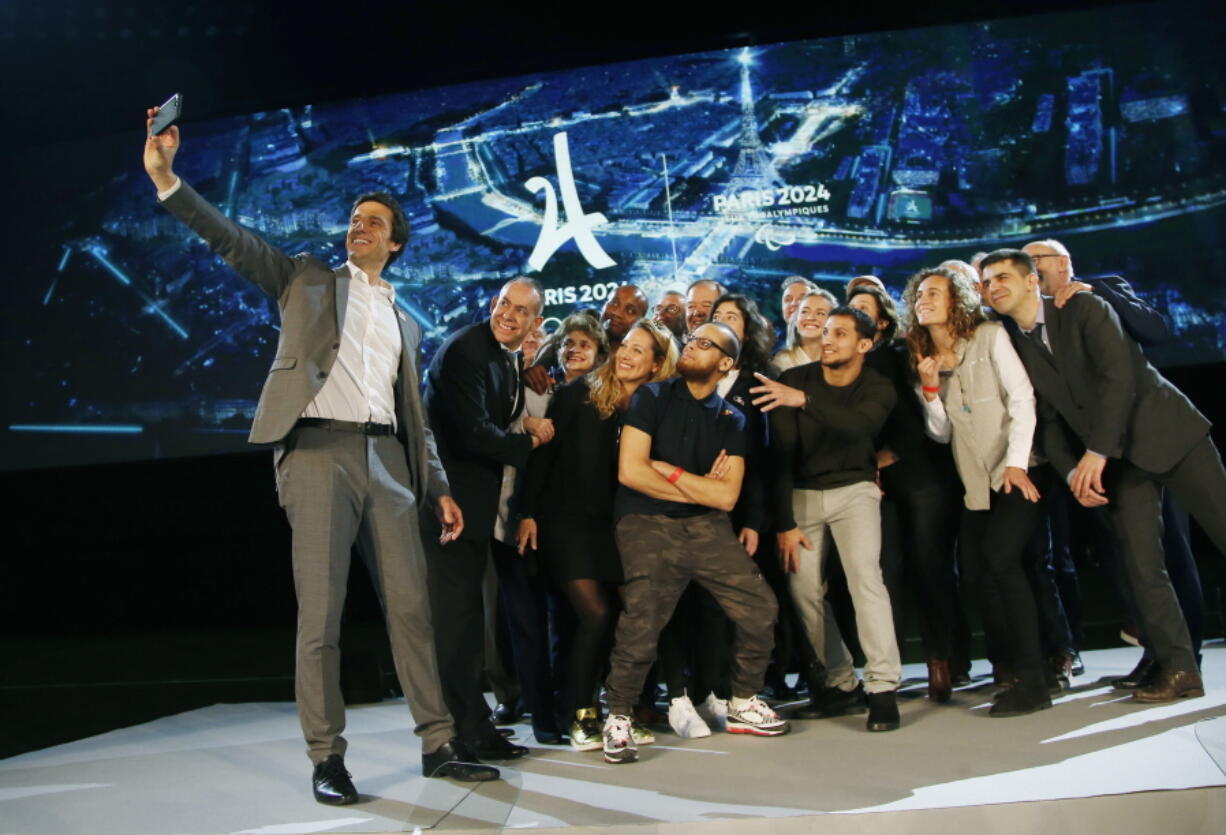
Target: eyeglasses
668, 308
705, 344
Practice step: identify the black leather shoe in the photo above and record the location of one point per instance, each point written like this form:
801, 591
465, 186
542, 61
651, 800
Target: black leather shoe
331, 782
497, 747
457, 761
1019, 700
507, 713
883, 712
1145, 673
548, 736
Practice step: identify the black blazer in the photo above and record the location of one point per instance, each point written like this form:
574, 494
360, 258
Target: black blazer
1140, 321
1097, 385
471, 401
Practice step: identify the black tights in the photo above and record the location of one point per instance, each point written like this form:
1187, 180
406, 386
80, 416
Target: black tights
595, 607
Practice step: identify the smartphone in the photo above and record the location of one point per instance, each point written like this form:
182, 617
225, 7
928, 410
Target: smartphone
167, 114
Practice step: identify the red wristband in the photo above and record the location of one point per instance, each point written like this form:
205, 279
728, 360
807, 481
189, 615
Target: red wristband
932, 389
676, 474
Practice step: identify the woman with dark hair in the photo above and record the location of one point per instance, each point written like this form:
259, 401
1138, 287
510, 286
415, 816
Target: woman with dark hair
877, 303
978, 398
567, 507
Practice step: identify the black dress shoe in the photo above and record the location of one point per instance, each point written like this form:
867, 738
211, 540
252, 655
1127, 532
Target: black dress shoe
548, 736
1146, 672
1019, 700
507, 713
331, 782
497, 747
883, 712
457, 761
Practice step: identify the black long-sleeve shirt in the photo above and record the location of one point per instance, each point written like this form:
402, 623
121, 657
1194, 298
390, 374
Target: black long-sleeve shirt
831, 441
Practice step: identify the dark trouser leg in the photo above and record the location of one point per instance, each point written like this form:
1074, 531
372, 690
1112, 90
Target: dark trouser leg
454, 580
652, 549
592, 605
391, 547
712, 649
521, 594
1181, 566
978, 585
1041, 572
676, 645
1137, 516
499, 669
1056, 501
1001, 545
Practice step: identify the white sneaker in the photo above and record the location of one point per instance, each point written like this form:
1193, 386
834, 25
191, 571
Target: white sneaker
754, 716
619, 744
715, 710
684, 720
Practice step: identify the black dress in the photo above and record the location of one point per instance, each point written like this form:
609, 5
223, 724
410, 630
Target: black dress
569, 489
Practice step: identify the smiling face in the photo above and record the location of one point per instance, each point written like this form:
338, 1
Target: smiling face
842, 345
811, 317
1055, 268
698, 303
1009, 289
635, 361
369, 240
578, 354
625, 307
731, 315
932, 301
513, 313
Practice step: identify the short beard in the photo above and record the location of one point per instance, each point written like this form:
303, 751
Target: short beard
836, 364
696, 375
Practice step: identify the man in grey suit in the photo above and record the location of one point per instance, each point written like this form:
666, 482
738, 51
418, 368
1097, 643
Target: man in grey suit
354, 457
1137, 433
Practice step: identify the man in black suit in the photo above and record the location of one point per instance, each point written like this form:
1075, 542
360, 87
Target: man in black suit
1138, 434
473, 393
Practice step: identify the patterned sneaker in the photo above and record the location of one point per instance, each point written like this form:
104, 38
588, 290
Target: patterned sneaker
715, 710
640, 734
585, 732
754, 716
619, 744
684, 720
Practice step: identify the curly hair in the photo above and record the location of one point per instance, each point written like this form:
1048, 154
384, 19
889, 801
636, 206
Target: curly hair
606, 392
759, 335
965, 310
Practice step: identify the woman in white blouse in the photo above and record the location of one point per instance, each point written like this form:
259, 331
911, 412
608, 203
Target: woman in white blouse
804, 330
977, 397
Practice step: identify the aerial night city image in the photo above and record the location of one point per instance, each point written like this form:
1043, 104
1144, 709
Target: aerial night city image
830, 158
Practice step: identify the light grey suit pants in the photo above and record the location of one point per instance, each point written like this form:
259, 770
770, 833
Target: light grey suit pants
338, 488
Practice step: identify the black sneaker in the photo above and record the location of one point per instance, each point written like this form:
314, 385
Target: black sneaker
831, 702
332, 784
883, 712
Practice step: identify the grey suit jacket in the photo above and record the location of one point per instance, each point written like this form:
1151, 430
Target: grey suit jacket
1098, 384
312, 298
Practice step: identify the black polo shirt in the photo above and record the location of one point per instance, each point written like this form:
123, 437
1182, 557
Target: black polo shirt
687, 432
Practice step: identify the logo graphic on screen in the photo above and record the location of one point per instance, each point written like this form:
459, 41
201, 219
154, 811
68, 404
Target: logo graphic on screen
579, 225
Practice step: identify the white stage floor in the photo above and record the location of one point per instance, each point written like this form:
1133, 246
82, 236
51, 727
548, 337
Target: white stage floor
1096, 759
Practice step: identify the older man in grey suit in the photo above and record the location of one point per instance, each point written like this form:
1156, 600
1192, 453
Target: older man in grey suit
354, 458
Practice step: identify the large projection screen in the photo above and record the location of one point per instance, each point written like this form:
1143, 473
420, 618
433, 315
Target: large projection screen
125, 338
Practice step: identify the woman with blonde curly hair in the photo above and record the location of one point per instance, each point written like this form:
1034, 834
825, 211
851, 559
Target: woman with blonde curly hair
567, 507
977, 397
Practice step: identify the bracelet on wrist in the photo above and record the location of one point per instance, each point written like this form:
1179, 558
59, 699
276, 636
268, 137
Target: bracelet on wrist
676, 474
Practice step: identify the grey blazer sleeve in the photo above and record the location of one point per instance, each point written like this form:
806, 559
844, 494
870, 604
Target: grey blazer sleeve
435, 476
246, 252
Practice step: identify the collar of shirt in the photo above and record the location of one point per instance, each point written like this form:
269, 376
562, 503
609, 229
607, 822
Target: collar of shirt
358, 274
712, 401
725, 385
1041, 319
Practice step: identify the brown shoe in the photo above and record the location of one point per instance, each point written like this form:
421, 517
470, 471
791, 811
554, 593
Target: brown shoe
1171, 685
939, 686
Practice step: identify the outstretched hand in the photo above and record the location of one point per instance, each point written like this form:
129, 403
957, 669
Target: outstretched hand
160, 152
773, 394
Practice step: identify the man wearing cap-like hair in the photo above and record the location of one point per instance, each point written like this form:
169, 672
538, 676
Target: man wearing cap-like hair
681, 464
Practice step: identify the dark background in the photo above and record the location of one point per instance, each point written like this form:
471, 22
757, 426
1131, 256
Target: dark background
137, 590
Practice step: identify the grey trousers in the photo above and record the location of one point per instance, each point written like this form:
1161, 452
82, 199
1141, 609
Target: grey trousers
660, 556
853, 514
338, 488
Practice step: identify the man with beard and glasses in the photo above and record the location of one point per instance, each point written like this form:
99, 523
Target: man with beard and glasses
673, 528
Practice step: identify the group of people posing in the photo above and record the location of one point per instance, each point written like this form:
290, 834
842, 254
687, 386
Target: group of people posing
657, 498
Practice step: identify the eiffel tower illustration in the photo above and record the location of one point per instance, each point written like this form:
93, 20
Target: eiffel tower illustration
754, 168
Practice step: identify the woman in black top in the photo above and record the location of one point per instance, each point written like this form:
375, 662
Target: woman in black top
920, 507
567, 505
